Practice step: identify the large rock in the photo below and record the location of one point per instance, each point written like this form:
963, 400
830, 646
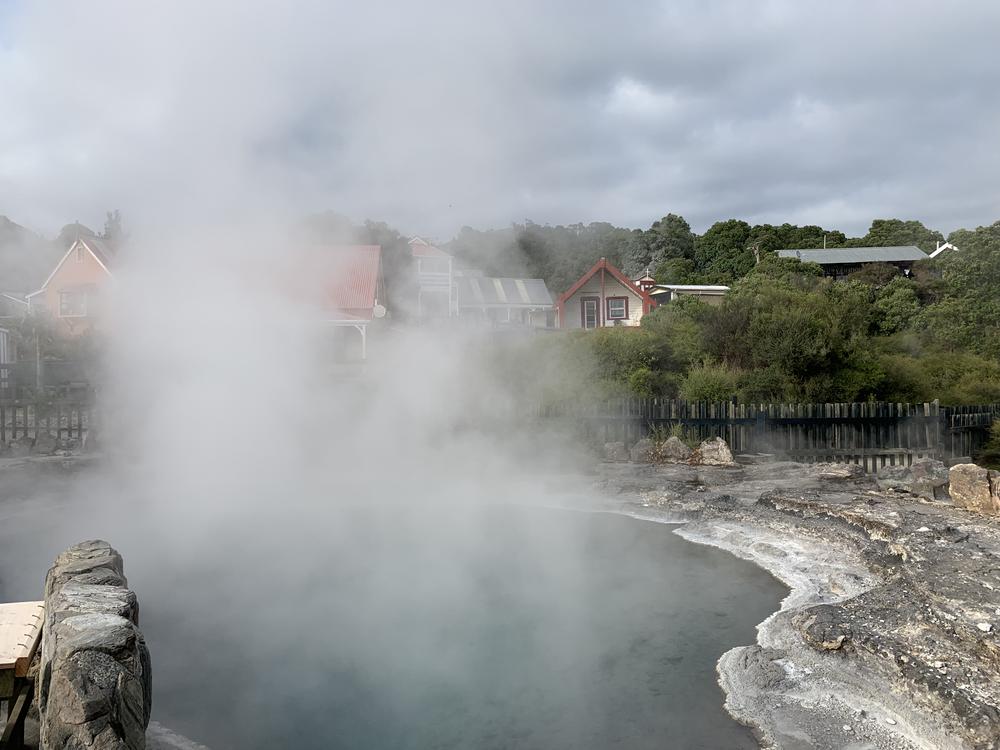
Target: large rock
929, 479
975, 488
21, 447
643, 452
926, 478
673, 450
45, 444
896, 478
95, 677
714, 452
615, 452
838, 472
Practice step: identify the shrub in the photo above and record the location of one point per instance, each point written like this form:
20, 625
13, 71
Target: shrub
710, 383
766, 386
643, 382
990, 455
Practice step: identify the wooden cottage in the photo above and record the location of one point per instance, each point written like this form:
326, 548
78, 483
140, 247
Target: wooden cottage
603, 296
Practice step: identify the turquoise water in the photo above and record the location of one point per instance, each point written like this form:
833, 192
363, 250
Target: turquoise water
529, 629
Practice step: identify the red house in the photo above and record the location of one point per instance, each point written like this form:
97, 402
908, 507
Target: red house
354, 292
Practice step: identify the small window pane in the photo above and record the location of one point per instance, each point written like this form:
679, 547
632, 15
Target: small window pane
72, 303
616, 309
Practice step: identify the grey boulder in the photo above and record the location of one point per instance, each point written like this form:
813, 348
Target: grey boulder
714, 452
975, 488
615, 452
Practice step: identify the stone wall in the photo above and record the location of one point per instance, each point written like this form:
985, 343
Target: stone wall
95, 680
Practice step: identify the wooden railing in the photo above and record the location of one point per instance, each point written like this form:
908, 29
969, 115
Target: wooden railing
62, 419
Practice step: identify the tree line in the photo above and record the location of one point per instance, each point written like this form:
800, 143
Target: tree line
786, 333
668, 249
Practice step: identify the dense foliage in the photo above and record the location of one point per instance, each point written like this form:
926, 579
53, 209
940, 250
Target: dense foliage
786, 333
727, 251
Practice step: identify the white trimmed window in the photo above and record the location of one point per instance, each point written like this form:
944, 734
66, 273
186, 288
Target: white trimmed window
72, 303
617, 308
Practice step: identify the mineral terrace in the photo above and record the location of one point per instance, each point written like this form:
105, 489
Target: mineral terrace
888, 638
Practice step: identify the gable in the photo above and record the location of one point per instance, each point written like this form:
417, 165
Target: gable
80, 265
609, 287
612, 275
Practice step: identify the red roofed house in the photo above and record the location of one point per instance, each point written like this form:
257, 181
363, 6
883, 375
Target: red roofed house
355, 293
603, 296
72, 292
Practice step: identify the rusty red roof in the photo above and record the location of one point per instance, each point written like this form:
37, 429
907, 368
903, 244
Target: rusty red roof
354, 272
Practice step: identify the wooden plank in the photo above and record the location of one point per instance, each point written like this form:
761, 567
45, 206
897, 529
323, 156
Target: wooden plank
13, 733
20, 633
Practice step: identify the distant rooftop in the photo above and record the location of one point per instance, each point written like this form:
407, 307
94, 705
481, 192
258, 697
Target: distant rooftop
831, 255
485, 291
691, 288
421, 248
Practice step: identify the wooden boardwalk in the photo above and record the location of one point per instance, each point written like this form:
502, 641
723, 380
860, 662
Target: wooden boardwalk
20, 633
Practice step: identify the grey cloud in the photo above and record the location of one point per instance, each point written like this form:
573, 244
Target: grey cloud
439, 114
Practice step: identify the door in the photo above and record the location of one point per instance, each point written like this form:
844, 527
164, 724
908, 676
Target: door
589, 311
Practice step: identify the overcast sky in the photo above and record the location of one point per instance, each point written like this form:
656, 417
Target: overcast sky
435, 114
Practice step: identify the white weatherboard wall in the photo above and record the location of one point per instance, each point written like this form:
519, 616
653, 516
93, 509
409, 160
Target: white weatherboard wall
612, 288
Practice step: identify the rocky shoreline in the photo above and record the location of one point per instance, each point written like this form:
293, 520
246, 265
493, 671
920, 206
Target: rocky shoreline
888, 637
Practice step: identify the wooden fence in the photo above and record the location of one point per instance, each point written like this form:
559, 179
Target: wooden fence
870, 434
64, 420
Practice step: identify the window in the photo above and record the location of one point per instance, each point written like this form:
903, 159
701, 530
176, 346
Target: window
617, 308
72, 303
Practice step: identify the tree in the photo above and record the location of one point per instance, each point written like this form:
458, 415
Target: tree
876, 275
723, 254
676, 271
894, 232
114, 231
670, 237
896, 304
967, 313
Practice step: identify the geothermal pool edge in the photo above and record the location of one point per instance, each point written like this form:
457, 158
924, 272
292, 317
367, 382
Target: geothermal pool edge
837, 546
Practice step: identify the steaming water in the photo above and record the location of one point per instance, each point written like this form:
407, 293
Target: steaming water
513, 627
518, 648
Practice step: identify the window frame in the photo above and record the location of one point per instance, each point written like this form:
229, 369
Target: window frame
84, 299
608, 302
597, 312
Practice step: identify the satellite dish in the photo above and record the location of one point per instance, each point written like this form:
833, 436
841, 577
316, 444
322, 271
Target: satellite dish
379, 311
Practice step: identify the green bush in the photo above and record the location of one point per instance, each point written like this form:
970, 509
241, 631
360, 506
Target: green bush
766, 386
990, 455
643, 382
710, 383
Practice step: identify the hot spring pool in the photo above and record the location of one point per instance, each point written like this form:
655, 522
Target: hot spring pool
520, 628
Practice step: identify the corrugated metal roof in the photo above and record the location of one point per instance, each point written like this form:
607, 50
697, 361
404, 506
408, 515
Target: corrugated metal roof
353, 285
485, 291
831, 255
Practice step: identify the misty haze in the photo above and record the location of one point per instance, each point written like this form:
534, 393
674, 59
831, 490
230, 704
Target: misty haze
521, 375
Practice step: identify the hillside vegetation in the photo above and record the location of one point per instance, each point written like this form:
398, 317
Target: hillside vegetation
786, 333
